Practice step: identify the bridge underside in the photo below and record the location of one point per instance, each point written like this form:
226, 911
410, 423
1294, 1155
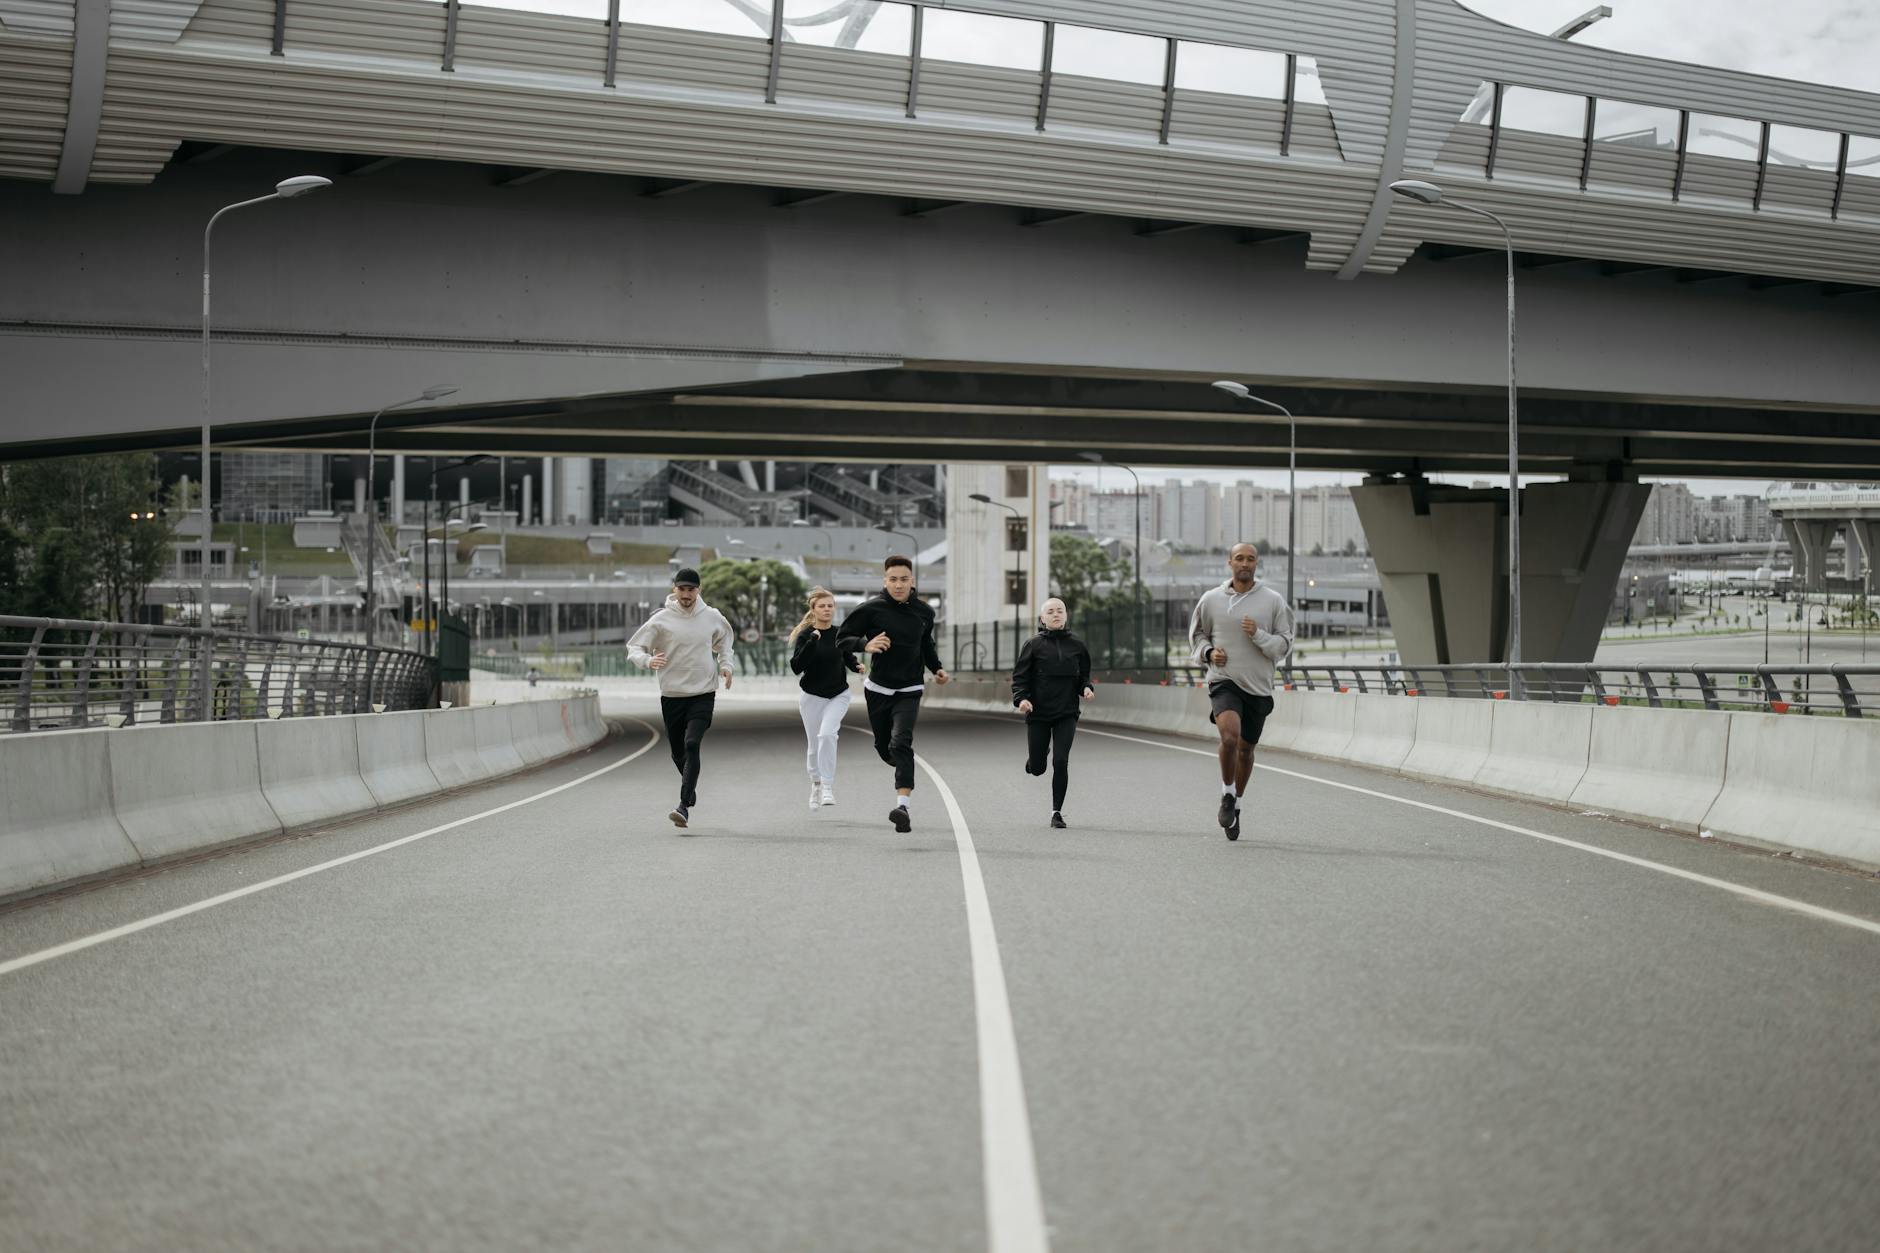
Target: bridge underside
598, 315
939, 412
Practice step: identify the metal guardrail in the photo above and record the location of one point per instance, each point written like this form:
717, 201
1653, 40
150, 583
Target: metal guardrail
1850, 691
56, 674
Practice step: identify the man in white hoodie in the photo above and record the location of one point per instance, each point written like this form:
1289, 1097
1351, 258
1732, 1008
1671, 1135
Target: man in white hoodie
688, 643
1240, 631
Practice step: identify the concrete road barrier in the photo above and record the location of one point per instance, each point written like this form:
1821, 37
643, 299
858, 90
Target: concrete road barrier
392, 760
1658, 765
1325, 722
1802, 782
495, 728
310, 769
1383, 730
450, 748
1452, 738
187, 787
1283, 725
1536, 749
56, 821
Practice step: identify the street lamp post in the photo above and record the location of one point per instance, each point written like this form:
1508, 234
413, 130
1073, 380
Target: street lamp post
372, 510
1292, 468
1430, 194
456, 463
286, 189
1018, 632
1136, 554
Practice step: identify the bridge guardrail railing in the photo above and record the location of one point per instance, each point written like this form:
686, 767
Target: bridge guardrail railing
1851, 691
58, 673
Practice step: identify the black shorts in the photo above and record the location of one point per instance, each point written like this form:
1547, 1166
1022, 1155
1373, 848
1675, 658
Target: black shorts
1227, 698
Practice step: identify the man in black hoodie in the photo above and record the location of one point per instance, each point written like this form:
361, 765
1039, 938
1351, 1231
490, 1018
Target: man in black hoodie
896, 630
1049, 685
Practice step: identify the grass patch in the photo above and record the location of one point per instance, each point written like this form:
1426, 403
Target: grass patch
282, 556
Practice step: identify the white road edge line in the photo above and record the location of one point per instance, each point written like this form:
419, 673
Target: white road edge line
183, 911
1014, 1205
1754, 894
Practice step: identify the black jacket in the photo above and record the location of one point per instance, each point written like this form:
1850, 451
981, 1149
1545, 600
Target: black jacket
824, 668
909, 624
1052, 672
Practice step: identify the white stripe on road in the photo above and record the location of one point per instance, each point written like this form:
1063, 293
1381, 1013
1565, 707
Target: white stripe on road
144, 924
1754, 894
1014, 1205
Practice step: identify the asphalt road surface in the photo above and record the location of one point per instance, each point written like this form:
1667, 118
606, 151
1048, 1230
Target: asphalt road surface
1369, 1024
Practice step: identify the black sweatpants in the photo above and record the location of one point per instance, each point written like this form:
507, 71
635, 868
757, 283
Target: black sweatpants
1056, 737
892, 715
688, 718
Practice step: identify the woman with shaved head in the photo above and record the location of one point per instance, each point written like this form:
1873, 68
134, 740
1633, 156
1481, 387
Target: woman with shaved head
1049, 685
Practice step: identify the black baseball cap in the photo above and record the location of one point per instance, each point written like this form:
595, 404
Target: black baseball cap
685, 578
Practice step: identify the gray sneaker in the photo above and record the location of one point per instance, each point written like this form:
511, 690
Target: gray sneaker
679, 815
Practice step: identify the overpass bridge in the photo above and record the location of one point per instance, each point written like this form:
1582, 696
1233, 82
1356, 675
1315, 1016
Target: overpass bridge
1814, 514
677, 235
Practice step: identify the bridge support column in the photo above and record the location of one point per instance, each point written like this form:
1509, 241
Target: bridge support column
549, 470
398, 490
1809, 540
359, 494
528, 502
1442, 559
1862, 535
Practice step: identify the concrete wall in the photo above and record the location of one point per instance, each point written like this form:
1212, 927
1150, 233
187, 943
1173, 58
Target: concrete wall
1806, 784
77, 804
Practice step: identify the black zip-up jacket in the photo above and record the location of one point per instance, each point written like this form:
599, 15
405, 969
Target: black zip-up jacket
911, 649
824, 668
1052, 672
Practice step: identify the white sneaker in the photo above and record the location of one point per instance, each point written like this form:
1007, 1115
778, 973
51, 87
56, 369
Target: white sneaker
829, 795
815, 793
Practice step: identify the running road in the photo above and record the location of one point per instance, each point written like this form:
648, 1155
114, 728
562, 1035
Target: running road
1458, 1023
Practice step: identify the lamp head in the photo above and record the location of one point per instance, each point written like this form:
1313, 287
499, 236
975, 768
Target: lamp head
1232, 388
300, 185
436, 391
981, 497
1418, 190
1092, 456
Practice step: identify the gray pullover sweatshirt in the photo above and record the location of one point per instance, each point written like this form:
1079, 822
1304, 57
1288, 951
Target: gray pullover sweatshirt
697, 644
1250, 659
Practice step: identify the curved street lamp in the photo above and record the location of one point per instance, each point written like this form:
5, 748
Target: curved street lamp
372, 520
1292, 465
286, 189
1427, 193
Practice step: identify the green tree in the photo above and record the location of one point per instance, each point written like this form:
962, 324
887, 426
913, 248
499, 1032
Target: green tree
1079, 566
81, 537
739, 589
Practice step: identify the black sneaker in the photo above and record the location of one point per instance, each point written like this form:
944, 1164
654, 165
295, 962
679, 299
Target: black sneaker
901, 819
1233, 829
1229, 808
1057, 820
679, 815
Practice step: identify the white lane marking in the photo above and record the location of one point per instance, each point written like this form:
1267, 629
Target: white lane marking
1014, 1206
1754, 894
183, 911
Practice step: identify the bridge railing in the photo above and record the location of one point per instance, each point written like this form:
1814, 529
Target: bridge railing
57, 673
1849, 690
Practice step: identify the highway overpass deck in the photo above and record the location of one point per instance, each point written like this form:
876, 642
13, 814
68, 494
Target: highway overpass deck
1368, 1024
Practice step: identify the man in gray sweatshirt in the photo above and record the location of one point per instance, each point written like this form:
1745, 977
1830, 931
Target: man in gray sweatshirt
1240, 631
688, 644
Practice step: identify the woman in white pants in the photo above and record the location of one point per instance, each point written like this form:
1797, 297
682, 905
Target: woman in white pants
825, 684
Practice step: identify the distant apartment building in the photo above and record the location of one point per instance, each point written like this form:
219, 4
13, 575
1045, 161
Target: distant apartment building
1733, 519
1328, 521
1670, 517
